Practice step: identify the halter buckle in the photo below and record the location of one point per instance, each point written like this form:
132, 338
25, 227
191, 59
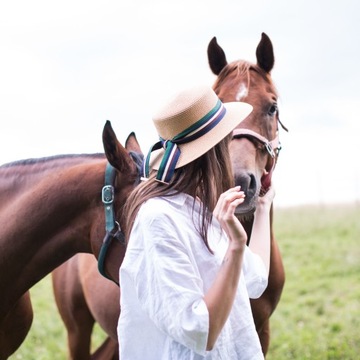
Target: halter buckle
269, 149
107, 194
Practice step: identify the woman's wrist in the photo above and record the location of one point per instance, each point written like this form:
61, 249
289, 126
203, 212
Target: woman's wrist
236, 247
263, 206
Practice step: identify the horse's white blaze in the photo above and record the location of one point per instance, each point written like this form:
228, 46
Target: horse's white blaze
242, 92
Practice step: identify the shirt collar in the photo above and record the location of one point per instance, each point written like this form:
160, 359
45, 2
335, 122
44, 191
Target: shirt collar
179, 199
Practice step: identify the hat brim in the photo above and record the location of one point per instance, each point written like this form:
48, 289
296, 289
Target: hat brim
235, 113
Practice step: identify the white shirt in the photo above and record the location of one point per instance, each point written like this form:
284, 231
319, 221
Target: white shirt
166, 271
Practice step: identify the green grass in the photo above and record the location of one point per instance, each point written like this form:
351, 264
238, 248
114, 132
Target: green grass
319, 313
47, 337
318, 316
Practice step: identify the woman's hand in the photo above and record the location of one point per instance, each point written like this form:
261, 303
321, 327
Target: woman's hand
224, 212
220, 297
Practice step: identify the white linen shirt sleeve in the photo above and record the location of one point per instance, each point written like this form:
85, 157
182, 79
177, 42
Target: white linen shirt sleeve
255, 274
166, 280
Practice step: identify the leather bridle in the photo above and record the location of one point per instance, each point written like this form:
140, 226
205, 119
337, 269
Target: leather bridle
272, 147
112, 227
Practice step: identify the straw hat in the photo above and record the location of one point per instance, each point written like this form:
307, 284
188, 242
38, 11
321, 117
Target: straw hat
189, 125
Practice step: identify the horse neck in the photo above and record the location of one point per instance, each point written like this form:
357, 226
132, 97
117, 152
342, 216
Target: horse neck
46, 223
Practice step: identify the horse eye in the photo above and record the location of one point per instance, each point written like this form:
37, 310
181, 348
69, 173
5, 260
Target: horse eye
273, 109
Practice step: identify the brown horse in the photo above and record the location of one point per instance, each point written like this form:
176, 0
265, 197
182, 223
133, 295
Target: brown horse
254, 152
51, 209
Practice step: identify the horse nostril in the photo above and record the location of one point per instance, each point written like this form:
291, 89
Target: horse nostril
252, 186
247, 181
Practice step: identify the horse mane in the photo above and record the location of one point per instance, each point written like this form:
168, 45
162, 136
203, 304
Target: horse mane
33, 161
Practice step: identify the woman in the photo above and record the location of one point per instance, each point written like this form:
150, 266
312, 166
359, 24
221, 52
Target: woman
187, 274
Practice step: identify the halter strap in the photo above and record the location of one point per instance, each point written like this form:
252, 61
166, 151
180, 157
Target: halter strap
269, 145
172, 151
107, 197
112, 227
273, 148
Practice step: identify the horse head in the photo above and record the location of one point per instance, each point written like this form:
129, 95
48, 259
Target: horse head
255, 147
121, 176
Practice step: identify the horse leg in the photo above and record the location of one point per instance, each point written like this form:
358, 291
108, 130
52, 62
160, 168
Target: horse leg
109, 350
264, 336
102, 298
73, 309
102, 295
15, 326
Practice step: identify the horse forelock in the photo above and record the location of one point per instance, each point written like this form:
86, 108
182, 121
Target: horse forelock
233, 69
241, 68
234, 83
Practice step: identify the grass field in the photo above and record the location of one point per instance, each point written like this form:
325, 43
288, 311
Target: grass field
319, 314
318, 317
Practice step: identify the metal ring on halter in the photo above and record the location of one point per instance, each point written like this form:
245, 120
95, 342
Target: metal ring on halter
119, 235
269, 149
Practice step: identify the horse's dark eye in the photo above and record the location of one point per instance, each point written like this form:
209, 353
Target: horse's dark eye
273, 110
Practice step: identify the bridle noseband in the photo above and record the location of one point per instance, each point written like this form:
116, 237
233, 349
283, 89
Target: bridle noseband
272, 147
112, 227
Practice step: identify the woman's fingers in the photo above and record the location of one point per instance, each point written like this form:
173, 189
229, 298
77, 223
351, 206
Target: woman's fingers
225, 212
228, 197
226, 205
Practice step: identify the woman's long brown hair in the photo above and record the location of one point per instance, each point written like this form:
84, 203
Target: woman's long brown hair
205, 178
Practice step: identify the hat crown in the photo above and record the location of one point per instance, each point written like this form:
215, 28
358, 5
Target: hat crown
184, 110
189, 125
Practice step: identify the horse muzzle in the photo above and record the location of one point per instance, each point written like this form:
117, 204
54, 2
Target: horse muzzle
251, 187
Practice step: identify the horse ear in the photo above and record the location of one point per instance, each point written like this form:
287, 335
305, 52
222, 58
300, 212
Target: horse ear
116, 154
216, 57
132, 144
265, 54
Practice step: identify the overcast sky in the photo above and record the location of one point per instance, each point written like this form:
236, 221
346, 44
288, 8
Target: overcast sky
66, 67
